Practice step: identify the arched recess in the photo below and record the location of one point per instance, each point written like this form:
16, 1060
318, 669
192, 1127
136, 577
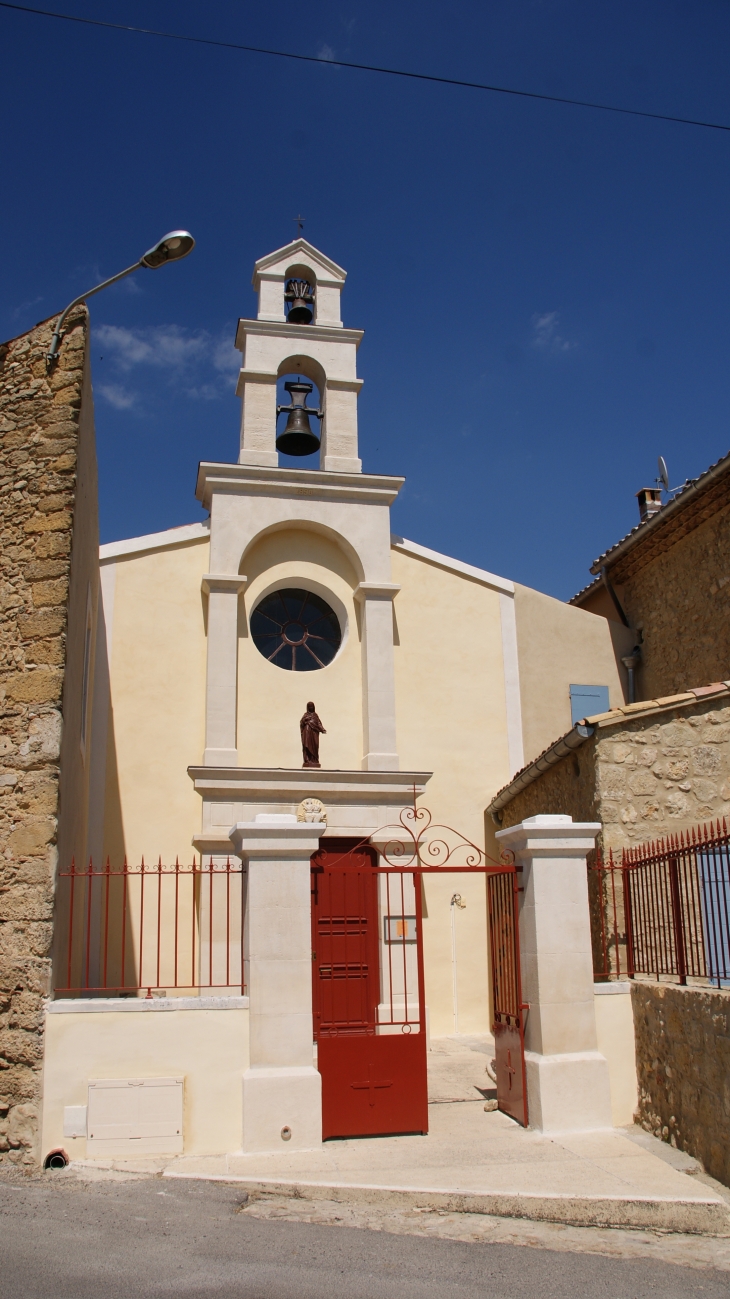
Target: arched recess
306, 365
294, 367
300, 271
307, 525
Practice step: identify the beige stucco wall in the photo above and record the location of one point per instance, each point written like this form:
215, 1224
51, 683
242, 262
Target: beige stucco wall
156, 722
451, 717
559, 646
615, 1033
451, 709
208, 1047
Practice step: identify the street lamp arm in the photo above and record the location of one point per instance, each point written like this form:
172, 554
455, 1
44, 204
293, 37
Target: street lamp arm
173, 246
56, 340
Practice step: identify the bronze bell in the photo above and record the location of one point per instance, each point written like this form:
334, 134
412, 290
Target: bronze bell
297, 439
299, 293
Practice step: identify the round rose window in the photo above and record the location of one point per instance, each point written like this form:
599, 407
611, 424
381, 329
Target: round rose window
296, 630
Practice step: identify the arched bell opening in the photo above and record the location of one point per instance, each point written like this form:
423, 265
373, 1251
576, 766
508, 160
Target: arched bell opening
300, 291
300, 388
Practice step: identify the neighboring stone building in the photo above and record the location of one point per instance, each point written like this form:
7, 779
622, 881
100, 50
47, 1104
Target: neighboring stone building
653, 769
49, 595
671, 581
643, 770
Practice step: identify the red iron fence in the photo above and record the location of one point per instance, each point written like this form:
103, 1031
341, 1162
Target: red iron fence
663, 910
152, 929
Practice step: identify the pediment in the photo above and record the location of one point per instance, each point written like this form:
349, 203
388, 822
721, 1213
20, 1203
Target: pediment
302, 253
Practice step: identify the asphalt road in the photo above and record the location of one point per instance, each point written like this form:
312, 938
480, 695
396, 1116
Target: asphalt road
65, 1239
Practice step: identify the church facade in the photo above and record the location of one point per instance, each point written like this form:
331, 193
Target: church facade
431, 681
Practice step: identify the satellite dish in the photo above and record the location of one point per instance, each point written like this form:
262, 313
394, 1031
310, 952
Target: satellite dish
663, 473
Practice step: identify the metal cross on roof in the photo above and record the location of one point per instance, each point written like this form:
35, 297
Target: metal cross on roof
300, 223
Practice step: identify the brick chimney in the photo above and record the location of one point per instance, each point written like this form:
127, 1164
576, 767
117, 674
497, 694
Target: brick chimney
650, 502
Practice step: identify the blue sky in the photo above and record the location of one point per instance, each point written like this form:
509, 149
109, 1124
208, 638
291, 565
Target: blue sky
544, 288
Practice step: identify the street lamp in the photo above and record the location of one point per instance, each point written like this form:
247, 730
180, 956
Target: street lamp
170, 249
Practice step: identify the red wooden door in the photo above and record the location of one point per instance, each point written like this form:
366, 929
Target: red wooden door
373, 1072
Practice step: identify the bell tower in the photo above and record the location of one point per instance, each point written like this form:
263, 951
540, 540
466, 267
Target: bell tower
305, 533
298, 331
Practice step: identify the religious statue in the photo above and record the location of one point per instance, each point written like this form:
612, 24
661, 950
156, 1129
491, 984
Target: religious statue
311, 728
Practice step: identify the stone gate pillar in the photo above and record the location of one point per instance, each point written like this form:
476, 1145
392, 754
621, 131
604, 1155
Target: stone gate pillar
568, 1087
282, 1091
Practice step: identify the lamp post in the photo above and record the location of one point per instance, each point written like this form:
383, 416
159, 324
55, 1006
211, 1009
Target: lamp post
177, 244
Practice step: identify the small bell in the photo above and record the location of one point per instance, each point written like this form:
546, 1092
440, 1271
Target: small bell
299, 293
297, 439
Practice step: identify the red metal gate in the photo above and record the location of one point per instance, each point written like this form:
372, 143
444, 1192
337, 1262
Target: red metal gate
368, 980
368, 993
509, 1010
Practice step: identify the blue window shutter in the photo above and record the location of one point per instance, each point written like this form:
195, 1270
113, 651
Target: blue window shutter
586, 701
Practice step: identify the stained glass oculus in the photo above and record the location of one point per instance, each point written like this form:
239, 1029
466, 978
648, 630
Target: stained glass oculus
296, 630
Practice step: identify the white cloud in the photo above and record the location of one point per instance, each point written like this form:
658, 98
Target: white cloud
226, 358
117, 396
161, 345
326, 53
26, 306
546, 334
205, 362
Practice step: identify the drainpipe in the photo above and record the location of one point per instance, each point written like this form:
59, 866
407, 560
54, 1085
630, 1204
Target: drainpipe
631, 662
455, 902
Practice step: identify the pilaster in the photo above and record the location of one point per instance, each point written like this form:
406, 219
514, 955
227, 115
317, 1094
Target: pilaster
378, 675
221, 685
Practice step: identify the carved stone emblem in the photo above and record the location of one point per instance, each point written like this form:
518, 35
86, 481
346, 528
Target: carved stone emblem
313, 811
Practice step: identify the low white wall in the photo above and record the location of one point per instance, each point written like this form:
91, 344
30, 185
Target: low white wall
202, 1039
615, 1029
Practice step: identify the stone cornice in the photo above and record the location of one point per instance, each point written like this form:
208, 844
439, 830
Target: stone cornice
376, 590
259, 839
312, 484
284, 785
290, 250
223, 582
189, 532
550, 836
501, 584
282, 329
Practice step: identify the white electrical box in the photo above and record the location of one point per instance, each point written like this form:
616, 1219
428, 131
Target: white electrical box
135, 1116
74, 1121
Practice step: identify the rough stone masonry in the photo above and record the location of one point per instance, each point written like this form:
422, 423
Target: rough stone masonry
47, 485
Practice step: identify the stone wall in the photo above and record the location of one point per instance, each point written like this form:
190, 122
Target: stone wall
683, 1067
643, 777
681, 603
656, 776
47, 565
567, 788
